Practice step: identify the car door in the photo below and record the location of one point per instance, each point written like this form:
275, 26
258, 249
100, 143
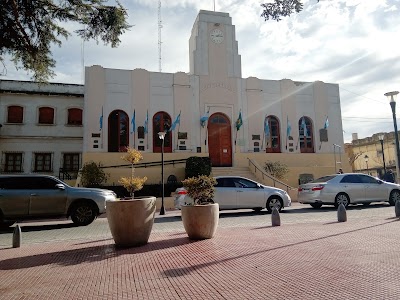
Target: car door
225, 193
374, 190
249, 194
46, 198
14, 197
353, 186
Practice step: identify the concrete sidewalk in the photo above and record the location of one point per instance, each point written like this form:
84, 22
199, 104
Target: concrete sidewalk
352, 260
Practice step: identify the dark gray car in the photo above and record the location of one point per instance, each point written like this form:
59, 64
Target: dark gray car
42, 196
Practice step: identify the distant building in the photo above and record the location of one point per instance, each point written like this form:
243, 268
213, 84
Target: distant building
365, 155
41, 128
217, 113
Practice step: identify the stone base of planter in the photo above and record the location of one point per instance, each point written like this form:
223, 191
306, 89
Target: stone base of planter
200, 221
131, 220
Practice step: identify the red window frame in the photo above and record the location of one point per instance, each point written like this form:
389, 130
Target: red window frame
46, 115
74, 116
15, 114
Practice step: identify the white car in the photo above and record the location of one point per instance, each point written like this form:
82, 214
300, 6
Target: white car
235, 192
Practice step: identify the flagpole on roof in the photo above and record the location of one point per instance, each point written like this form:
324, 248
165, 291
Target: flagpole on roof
179, 125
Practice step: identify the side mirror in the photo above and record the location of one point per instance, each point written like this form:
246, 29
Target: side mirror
60, 186
259, 186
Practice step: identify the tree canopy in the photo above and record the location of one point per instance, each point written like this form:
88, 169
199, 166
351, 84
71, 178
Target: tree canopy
281, 8
30, 27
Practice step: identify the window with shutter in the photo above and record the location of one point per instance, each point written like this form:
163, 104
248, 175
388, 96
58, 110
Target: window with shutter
46, 115
74, 116
15, 114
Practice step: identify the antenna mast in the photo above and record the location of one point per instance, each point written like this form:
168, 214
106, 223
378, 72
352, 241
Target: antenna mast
159, 35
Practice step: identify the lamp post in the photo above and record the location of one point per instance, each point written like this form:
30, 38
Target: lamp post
161, 135
366, 158
392, 97
381, 137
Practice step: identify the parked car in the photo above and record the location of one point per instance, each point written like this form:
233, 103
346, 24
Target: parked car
348, 188
41, 196
235, 192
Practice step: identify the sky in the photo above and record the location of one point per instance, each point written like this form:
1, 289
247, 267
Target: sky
353, 43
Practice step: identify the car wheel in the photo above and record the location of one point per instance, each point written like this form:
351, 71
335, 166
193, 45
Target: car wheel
394, 196
342, 198
274, 202
257, 209
4, 224
83, 213
316, 205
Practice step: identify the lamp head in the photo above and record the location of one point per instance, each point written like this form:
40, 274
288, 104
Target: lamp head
392, 96
381, 137
366, 158
161, 135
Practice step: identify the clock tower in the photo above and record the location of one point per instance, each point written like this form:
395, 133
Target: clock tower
213, 49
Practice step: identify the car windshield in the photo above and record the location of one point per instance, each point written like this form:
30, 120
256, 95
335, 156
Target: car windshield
323, 179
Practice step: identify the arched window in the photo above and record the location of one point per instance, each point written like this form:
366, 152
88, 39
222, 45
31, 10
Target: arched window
46, 115
15, 114
162, 122
306, 138
272, 135
118, 131
74, 116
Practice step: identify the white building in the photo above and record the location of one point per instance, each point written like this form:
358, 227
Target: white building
41, 128
281, 120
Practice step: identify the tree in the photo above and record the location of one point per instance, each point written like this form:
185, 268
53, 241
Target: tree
30, 27
92, 174
281, 8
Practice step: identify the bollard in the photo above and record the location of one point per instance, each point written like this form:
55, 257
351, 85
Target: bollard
275, 217
17, 236
397, 208
341, 213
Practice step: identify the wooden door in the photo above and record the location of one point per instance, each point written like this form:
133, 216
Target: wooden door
219, 140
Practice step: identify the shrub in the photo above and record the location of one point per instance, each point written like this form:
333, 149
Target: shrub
92, 174
196, 166
200, 189
276, 169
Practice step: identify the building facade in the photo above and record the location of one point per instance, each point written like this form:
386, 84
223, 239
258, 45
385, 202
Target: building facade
41, 128
212, 111
373, 155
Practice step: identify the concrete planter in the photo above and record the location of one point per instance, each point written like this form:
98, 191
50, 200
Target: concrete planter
200, 221
131, 220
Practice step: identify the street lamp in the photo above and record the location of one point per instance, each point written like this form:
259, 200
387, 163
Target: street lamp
161, 135
381, 137
366, 158
392, 97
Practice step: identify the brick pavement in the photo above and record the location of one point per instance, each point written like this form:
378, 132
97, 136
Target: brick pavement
359, 259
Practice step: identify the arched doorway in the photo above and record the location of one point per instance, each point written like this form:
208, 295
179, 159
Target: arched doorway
306, 137
272, 135
162, 122
220, 140
118, 131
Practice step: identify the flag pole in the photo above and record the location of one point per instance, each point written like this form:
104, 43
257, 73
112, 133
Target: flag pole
179, 125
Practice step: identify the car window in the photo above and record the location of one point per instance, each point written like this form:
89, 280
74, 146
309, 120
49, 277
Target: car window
13, 183
225, 182
323, 179
41, 183
243, 183
351, 178
368, 179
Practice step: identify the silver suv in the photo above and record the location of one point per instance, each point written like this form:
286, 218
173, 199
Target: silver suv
42, 196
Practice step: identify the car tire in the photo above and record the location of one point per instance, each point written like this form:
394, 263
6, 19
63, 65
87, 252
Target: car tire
394, 196
274, 202
83, 213
316, 205
342, 198
257, 209
4, 224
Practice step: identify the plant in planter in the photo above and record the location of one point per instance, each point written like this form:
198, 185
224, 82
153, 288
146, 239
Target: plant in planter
131, 219
132, 184
200, 218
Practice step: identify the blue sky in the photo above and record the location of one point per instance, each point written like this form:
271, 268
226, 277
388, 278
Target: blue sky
349, 42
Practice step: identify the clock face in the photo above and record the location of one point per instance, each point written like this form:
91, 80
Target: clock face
217, 36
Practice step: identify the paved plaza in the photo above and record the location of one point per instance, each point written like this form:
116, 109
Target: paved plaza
315, 259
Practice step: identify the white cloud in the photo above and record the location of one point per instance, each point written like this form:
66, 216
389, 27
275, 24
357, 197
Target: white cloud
349, 42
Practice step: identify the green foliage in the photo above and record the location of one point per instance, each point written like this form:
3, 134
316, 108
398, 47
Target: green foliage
281, 8
201, 189
29, 29
276, 169
92, 174
132, 184
196, 166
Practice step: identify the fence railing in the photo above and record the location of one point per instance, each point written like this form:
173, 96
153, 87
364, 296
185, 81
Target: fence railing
148, 164
258, 168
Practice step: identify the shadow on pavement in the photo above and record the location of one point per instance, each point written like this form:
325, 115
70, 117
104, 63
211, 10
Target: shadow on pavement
88, 254
38, 227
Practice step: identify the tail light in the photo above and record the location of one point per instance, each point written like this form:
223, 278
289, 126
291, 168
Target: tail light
182, 192
299, 189
317, 188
